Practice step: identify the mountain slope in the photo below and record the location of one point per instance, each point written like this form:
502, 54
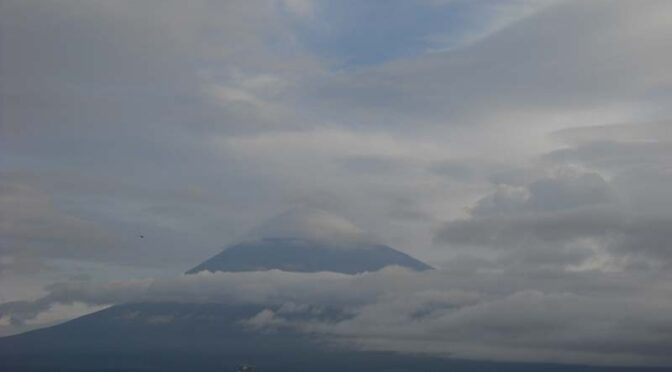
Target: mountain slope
302, 255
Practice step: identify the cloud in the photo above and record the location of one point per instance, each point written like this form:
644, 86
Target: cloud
195, 122
602, 202
540, 64
311, 224
32, 226
560, 318
272, 287
562, 208
301, 8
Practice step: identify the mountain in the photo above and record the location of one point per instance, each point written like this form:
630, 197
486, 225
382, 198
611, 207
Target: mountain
219, 337
302, 255
210, 337
308, 240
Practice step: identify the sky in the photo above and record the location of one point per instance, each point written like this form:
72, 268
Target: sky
521, 147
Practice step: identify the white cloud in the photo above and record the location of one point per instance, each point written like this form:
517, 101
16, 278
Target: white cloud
591, 317
310, 223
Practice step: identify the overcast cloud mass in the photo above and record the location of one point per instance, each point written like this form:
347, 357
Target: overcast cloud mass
523, 148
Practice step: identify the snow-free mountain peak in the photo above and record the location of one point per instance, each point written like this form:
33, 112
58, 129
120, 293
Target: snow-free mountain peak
308, 240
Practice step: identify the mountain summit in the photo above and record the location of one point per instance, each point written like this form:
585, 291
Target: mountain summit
308, 240
293, 254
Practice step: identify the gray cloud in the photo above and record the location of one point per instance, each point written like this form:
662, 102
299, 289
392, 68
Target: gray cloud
440, 312
311, 224
32, 226
569, 56
191, 123
613, 215
563, 207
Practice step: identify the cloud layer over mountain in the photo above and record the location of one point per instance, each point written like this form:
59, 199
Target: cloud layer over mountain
481, 312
